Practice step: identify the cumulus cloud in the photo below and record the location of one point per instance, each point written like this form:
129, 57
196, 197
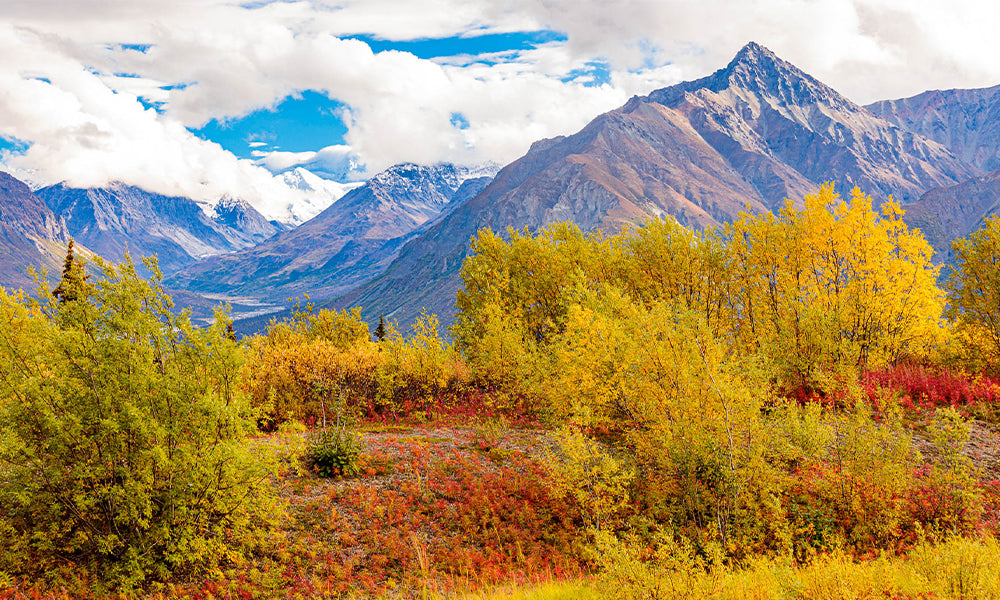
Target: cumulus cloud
335, 162
86, 133
79, 76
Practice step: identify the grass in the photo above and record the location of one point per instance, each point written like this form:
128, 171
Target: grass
958, 569
553, 590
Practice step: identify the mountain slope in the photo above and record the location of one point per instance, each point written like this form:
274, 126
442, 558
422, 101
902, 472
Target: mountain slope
118, 217
318, 193
746, 137
30, 234
348, 243
967, 122
947, 213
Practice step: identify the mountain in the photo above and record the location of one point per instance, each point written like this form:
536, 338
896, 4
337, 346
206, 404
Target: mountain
351, 241
947, 213
118, 217
320, 193
765, 116
967, 122
744, 138
30, 234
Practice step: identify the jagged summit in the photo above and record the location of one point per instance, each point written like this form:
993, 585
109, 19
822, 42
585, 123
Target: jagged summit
757, 74
752, 134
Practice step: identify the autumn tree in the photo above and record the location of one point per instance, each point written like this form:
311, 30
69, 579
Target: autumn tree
516, 294
831, 285
123, 436
974, 293
659, 384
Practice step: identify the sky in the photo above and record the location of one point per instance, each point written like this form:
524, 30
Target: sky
209, 98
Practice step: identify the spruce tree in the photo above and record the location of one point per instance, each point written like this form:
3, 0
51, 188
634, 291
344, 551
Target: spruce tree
380, 330
74, 279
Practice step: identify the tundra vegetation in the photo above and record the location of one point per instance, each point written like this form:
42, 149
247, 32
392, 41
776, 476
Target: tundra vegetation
785, 407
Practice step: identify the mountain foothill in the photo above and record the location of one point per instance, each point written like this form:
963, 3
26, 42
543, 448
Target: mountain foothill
745, 138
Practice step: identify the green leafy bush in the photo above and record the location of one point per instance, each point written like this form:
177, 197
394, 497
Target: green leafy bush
333, 453
123, 437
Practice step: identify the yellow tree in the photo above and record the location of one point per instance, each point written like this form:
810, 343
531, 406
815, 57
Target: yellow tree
655, 380
663, 260
974, 292
515, 295
832, 285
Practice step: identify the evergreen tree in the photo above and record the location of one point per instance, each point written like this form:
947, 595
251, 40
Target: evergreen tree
73, 285
380, 330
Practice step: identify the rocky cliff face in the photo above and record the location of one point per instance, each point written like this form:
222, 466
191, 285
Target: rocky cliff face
30, 234
967, 122
745, 138
119, 218
948, 213
348, 243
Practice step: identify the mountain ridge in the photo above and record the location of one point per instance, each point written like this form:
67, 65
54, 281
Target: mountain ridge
116, 218
350, 241
700, 151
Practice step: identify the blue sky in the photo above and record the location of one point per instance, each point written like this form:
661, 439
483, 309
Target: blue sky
309, 120
300, 122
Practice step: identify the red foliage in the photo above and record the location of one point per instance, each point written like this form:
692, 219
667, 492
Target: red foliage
827, 505
456, 519
926, 388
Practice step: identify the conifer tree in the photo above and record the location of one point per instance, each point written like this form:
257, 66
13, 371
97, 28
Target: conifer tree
74, 279
380, 330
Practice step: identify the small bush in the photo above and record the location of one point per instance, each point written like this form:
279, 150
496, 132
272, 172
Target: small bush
926, 388
334, 453
304, 364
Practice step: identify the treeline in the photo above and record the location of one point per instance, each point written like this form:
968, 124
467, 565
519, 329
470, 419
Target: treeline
705, 386
669, 355
812, 290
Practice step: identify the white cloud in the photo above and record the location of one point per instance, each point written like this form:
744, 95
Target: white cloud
85, 133
69, 87
333, 162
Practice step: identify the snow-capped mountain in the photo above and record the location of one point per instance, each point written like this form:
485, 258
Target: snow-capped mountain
348, 243
117, 218
318, 193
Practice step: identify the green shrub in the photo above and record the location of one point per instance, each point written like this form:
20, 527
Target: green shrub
123, 437
333, 453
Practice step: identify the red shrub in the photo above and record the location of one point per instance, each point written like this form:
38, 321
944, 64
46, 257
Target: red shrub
922, 387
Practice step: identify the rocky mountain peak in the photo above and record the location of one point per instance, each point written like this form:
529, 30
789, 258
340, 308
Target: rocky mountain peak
434, 183
757, 74
754, 59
